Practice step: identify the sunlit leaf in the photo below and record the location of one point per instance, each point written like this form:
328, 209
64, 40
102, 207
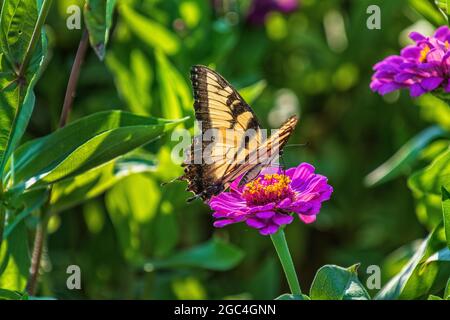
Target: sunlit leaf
428, 11
150, 32
170, 103
435, 110
251, 93
70, 192
17, 22
418, 278
133, 80
446, 213
83, 145
26, 203
447, 290
132, 205
15, 260
426, 186
336, 283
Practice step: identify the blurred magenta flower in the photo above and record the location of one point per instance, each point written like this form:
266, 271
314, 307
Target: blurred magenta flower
422, 67
267, 202
260, 8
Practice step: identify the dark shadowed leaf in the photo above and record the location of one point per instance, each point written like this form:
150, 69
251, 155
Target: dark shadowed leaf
98, 18
403, 158
9, 295
288, 296
216, 254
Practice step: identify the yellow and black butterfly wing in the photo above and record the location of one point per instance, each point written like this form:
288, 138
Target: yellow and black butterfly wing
220, 108
237, 148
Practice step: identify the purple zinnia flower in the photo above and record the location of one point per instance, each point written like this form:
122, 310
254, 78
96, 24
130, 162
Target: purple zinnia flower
267, 202
422, 67
259, 9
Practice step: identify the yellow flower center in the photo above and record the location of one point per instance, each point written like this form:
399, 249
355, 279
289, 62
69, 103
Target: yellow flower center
424, 53
270, 188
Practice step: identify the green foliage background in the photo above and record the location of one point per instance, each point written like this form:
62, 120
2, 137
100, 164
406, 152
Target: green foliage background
134, 239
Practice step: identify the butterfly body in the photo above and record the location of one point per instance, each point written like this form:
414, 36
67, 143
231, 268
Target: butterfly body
231, 143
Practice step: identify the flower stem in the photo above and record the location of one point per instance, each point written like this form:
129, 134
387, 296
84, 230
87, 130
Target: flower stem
279, 241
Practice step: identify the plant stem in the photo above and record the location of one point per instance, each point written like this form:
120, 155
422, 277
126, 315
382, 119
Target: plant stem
39, 239
279, 241
41, 231
35, 36
73, 79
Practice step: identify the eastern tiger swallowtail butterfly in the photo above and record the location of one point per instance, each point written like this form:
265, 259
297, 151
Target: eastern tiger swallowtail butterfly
218, 106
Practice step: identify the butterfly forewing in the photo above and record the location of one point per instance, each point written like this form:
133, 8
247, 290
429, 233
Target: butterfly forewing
230, 142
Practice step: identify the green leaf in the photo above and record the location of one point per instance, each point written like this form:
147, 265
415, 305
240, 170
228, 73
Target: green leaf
133, 79
170, 104
133, 206
98, 18
433, 297
336, 283
441, 255
72, 191
83, 145
264, 283
426, 187
417, 278
447, 290
288, 296
15, 260
27, 203
6, 294
216, 254
428, 11
446, 213
443, 5
435, 110
404, 157
17, 21
150, 32
252, 92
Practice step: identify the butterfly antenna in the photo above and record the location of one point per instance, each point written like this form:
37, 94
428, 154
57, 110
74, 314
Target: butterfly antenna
296, 145
163, 184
